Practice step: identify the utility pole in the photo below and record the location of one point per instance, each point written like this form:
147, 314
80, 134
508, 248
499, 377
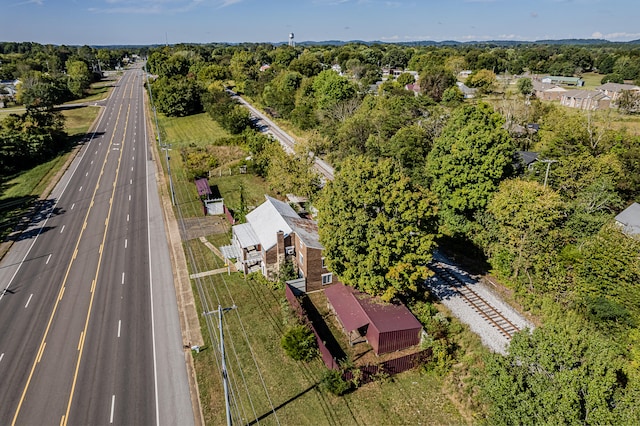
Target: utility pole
225, 376
546, 175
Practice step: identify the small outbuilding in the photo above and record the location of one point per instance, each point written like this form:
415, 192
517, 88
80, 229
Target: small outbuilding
387, 327
204, 190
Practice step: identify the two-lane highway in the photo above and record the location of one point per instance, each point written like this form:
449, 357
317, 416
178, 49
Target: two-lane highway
82, 341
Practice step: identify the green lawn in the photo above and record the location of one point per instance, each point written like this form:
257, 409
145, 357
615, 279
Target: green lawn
591, 80
197, 129
201, 130
252, 335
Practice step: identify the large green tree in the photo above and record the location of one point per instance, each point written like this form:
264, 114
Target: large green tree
467, 162
377, 227
79, 77
562, 373
524, 220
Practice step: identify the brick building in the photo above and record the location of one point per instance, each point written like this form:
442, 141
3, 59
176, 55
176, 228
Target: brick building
275, 233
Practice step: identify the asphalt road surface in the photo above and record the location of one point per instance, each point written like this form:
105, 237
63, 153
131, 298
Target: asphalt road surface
90, 329
265, 125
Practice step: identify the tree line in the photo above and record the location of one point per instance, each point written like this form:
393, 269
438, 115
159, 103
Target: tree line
48, 76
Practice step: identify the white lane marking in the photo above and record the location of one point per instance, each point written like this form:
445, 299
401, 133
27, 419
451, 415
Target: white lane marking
119, 325
87, 174
113, 403
125, 243
123, 278
131, 168
1, 356
129, 197
133, 158
73, 205
62, 230
91, 161
127, 217
28, 300
134, 148
48, 259
153, 321
130, 181
80, 190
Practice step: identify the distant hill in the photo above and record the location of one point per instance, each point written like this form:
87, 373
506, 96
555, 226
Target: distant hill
504, 43
500, 43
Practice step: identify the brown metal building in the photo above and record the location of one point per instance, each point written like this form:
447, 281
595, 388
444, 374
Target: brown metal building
386, 326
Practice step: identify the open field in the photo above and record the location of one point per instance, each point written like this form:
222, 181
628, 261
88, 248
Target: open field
591, 80
197, 129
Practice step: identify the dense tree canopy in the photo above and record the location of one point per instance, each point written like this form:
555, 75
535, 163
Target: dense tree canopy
562, 373
378, 229
467, 162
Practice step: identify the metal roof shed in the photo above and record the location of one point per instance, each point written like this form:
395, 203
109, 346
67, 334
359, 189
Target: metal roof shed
388, 327
204, 190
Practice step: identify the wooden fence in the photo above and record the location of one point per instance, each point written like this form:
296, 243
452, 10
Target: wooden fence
369, 373
327, 357
229, 216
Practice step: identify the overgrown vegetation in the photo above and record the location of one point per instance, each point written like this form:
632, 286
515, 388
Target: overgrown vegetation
299, 343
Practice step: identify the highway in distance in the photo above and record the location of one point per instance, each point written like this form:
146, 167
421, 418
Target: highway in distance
90, 330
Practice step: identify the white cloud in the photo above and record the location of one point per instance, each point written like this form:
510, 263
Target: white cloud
153, 7
36, 2
616, 36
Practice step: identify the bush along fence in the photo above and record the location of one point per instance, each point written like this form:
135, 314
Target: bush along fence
327, 357
360, 374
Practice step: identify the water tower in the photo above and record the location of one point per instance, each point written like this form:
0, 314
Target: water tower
291, 42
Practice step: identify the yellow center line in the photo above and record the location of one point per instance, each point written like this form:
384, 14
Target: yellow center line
95, 279
61, 291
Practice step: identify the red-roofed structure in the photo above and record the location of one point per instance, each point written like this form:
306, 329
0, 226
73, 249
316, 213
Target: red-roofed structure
386, 326
204, 190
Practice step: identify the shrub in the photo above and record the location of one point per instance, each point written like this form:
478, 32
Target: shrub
299, 343
333, 382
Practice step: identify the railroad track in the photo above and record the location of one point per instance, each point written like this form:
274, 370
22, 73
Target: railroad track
473, 299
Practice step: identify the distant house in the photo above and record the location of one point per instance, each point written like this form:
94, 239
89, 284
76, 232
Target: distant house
394, 73
415, 88
465, 73
525, 160
387, 327
275, 233
264, 67
588, 100
629, 220
467, 91
566, 81
547, 91
614, 90
8, 88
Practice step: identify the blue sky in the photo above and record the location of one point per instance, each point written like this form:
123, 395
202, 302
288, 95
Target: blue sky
104, 22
